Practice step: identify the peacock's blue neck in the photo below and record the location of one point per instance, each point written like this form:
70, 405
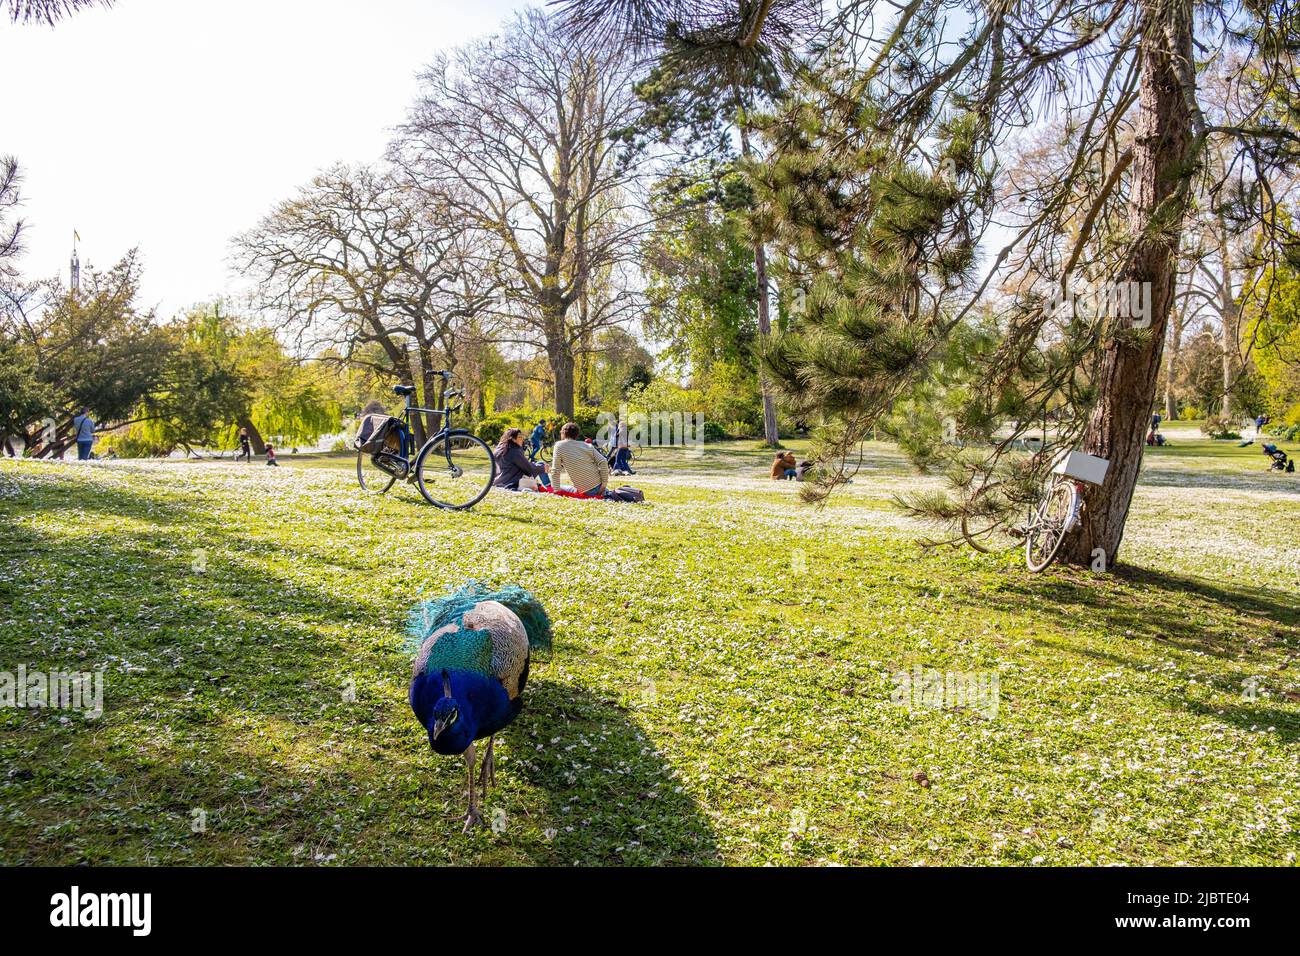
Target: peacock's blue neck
481, 702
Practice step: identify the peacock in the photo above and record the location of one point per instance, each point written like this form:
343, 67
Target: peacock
472, 649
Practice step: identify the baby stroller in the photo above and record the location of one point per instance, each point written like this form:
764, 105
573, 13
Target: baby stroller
1280, 460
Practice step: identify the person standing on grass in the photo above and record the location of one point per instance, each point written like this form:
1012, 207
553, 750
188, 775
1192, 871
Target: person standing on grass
85, 430
535, 440
586, 467
622, 450
245, 446
1260, 422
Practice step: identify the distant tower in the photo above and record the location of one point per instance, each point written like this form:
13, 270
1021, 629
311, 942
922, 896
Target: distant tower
74, 268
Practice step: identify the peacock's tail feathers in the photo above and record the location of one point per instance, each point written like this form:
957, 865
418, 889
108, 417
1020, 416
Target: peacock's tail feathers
452, 647
471, 628
529, 610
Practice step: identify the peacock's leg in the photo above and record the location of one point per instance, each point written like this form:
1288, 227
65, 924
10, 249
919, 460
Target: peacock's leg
473, 817
487, 775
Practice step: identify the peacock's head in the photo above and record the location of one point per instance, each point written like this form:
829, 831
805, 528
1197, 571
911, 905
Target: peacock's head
445, 711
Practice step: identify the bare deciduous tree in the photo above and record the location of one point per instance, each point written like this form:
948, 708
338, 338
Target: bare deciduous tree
359, 259
519, 131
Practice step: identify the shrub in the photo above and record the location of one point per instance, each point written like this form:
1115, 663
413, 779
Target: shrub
492, 427
715, 432
1220, 428
1190, 413
1285, 432
131, 442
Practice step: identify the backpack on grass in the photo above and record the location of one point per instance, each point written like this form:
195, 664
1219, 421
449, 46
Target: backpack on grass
626, 494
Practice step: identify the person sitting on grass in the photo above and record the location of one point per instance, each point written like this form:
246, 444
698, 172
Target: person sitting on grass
623, 461
270, 457
784, 466
513, 464
586, 467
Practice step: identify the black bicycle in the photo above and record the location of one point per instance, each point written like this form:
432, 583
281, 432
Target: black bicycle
543, 454
453, 469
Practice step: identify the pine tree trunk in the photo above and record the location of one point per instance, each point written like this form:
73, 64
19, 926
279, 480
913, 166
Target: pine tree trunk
1130, 364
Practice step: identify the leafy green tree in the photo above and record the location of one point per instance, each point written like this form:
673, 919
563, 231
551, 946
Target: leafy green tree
24, 398
700, 264
617, 364
1275, 336
91, 348
717, 63
262, 388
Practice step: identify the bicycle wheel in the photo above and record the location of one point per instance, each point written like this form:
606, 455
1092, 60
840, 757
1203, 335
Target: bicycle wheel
544, 455
370, 476
455, 471
1046, 528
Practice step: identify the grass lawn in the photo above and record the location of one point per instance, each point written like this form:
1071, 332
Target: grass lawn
722, 688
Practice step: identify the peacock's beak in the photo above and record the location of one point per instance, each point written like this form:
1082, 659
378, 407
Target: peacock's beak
438, 727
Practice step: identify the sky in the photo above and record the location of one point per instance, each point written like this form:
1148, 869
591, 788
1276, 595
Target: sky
173, 125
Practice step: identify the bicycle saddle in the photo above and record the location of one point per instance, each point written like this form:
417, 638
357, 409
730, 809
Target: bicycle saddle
403, 389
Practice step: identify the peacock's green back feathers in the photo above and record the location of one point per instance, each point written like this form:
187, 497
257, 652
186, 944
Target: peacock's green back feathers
477, 629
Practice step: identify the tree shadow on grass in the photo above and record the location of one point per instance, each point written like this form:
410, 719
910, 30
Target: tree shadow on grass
1270, 602
1253, 717
1249, 630
612, 797
203, 669
233, 705
1186, 613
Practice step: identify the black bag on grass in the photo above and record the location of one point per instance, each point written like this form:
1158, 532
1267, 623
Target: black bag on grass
627, 494
379, 433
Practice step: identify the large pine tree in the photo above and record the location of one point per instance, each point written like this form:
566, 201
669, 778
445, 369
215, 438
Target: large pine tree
882, 181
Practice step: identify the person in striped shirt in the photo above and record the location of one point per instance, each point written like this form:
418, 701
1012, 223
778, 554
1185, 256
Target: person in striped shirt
586, 467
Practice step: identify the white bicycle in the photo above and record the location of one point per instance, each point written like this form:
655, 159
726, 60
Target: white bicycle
1059, 511
1056, 515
